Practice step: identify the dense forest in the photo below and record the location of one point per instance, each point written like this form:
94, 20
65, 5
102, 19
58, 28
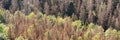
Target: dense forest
59, 19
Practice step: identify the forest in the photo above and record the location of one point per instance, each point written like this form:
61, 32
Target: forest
59, 19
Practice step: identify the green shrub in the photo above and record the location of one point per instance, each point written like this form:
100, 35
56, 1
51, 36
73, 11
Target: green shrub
41, 14
76, 23
3, 31
87, 35
51, 18
91, 26
2, 19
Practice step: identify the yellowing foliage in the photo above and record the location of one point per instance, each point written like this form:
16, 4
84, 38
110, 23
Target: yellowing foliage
31, 15
76, 23
80, 38
60, 20
30, 29
96, 37
20, 38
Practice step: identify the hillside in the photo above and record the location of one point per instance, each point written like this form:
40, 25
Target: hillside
59, 19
